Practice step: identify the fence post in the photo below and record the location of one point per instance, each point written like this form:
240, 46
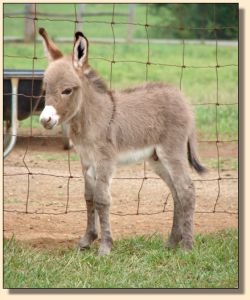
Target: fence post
80, 12
29, 30
131, 15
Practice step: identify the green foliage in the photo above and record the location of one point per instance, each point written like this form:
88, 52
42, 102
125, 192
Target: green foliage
139, 262
189, 20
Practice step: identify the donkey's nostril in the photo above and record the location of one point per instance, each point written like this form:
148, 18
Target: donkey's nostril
46, 121
49, 117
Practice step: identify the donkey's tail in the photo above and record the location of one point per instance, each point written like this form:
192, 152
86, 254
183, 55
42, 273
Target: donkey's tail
192, 155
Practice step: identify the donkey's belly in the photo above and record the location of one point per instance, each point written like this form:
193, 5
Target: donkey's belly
133, 156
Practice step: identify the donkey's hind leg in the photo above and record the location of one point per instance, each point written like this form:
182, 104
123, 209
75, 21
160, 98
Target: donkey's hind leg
92, 217
176, 232
184, 192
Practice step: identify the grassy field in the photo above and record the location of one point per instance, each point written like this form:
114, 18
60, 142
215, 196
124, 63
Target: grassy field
198, 81
198, 84
140, 262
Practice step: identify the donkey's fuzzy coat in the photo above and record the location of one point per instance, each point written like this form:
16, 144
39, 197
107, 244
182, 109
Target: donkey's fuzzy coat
151, 122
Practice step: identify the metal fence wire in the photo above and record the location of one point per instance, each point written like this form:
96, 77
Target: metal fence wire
70, 178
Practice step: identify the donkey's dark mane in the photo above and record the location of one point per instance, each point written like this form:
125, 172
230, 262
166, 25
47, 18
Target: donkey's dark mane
97, 82
147, 85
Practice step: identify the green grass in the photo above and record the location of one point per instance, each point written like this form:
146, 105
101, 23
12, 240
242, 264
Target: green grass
225, 163
227, 122
198, 84
13, 201
26, 124
139, 262
57, 157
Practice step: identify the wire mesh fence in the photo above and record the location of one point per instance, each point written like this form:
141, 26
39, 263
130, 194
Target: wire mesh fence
70, 182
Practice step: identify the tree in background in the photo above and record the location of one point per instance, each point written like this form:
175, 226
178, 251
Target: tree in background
188, 20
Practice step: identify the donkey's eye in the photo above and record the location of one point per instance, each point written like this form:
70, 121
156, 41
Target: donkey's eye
67, 92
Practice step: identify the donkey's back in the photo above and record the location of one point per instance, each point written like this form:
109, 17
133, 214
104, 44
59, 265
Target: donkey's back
150, 115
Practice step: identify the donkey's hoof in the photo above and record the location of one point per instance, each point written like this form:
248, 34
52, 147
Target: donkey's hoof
104, 250
86, 241
187, 245
170, 245
105, 247
172, 242
82, 246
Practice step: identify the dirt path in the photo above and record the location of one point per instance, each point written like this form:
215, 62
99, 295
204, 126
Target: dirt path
50, 193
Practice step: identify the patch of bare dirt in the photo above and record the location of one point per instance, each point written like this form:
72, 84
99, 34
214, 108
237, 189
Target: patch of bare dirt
56, 210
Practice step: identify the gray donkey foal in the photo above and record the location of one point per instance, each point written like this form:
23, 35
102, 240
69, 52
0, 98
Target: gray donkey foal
151, 122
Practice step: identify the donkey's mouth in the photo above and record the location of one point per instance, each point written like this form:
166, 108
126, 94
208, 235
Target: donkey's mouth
50, 125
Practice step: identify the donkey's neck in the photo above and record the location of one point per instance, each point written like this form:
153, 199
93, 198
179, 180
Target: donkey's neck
93, 116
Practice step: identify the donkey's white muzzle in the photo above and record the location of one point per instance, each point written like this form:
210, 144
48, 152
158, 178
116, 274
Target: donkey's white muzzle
49, 117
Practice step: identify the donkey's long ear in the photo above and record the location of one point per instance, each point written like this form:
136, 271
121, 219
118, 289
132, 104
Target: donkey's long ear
52, 52
80, 55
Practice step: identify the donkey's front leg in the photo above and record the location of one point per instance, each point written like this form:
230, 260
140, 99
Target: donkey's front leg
102, 200
92, 217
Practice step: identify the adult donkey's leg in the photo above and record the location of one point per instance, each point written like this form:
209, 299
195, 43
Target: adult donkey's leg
91, 231
102, 200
